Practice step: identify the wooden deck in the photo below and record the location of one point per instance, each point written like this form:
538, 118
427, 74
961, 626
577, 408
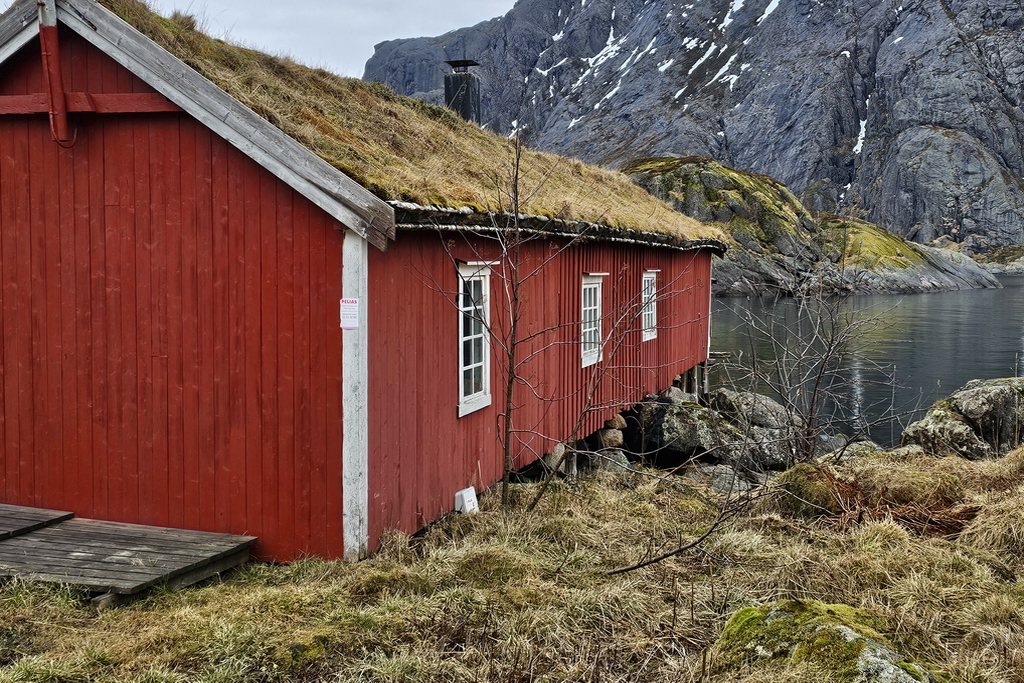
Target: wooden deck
15, 520
110, 557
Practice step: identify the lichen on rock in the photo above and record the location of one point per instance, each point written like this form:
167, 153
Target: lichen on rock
780, 246
982, 419
845, 643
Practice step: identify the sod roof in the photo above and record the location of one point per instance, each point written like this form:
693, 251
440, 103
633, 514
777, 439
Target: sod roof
404, 150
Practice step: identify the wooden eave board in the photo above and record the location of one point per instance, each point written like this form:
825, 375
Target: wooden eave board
330, 189
18, 25
114, 557
16, 520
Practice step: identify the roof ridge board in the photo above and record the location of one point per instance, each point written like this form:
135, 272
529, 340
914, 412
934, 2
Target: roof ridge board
18, 25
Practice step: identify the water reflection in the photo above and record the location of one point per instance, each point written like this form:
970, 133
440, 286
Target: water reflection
927, 346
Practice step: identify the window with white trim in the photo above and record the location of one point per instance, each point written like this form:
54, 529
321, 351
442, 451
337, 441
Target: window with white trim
649, 314
590, 335
474, 338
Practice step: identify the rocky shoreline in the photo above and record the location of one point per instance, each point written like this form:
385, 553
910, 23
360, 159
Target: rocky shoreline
1015, 267
744, 273
739, 440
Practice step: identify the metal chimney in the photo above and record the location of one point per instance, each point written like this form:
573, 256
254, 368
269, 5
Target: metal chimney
462, 90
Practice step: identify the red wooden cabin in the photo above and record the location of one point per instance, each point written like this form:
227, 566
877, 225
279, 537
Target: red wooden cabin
175, 277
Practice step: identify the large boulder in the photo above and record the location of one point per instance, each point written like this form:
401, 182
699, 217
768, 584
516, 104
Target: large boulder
995, 409
690, 430
753, 409
983, 419
683, 430
944, 432
845, 643
769, 426
743, 429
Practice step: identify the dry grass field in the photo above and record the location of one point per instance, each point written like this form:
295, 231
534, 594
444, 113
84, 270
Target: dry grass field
515, 596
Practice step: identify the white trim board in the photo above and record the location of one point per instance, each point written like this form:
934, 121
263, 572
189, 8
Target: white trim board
18, 26
354, 402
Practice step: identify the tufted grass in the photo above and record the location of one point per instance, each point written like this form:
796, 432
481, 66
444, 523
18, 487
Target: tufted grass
516, 596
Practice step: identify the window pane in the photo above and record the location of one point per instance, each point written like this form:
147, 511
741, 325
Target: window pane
472, 300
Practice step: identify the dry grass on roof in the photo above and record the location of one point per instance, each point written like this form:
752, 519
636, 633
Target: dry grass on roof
403, 149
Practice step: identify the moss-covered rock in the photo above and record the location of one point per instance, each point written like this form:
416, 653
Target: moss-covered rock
690, 430
809, 491
757, 210
779, 246
982, 419
681, 431
943, 432
846, 643
865, 245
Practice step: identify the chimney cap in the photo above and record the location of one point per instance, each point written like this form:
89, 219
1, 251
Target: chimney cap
462, 64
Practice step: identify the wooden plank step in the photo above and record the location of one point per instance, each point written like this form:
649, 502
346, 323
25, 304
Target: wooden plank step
16, 520
120, 558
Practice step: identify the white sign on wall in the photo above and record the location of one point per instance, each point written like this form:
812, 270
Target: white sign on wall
350, 314
465, 500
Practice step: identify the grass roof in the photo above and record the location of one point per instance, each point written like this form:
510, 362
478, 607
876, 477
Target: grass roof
403, 149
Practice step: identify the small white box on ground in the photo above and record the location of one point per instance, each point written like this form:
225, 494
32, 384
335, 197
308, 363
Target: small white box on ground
465, 500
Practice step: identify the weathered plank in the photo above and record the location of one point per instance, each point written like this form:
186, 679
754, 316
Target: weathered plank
18, 25
100, 103
88, 542
119, 558
16, 520
183, 536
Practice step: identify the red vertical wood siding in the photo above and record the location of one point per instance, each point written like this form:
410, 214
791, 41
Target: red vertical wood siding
169, 334
421, 452
170, 350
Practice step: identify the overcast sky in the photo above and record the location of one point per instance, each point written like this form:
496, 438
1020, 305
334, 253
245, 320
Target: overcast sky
339, 34
336, 34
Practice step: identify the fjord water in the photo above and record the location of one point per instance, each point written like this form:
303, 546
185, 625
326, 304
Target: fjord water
929, 344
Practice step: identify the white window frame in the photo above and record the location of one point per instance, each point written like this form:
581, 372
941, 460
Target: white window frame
474, 272
649, 301
591, 327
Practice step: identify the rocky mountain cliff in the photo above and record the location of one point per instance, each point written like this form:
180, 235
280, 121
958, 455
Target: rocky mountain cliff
907, 111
